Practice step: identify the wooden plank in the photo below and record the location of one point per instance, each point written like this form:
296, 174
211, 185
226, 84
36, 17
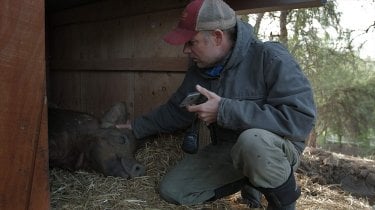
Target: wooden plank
40, 185
57, 5
257, 6
153, 89
64, 90
95, 91
112, 9
124, 64
132, 43
116, 50
22, 90
100, 90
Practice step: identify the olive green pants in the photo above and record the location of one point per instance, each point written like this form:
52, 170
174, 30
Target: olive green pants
261, 156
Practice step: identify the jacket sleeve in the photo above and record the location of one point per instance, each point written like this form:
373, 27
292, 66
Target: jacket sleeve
288, 109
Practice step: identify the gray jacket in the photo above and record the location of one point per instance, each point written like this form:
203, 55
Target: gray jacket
261, 86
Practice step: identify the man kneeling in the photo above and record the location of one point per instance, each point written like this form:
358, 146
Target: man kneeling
259, 108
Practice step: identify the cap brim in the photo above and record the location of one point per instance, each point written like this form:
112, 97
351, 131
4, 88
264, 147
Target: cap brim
179, 36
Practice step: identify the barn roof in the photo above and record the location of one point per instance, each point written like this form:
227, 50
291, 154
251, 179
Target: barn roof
249, 6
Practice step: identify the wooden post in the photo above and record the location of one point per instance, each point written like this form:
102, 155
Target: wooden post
23, 114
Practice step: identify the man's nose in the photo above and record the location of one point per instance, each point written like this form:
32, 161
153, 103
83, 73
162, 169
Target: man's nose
186, 49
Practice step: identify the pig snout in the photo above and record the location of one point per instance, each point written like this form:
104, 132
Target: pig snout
132, 168
122, 167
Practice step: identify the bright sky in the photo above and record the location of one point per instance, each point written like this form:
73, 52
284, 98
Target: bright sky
356, 15
359, 15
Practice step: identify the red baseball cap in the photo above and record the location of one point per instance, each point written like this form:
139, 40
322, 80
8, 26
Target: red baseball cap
200, 15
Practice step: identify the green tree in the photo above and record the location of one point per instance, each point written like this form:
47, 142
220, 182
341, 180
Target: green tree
343, 83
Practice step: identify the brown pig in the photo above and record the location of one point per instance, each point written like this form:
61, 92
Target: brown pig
80, 141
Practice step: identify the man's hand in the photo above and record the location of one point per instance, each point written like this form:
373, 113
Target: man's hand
207, 111
127, 125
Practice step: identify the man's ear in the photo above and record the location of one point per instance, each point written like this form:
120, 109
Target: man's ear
218, 36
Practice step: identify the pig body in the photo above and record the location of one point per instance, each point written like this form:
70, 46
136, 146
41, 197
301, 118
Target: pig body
78, 141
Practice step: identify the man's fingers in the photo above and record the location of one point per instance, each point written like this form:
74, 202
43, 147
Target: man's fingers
204, 91
193, 108
127, 125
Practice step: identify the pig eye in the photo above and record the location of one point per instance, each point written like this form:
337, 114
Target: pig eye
124, 139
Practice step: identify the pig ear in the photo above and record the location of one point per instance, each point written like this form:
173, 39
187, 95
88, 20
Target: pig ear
79, 162
117, 114
124, 114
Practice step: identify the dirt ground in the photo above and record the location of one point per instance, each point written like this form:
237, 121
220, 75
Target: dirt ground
328, 181
353, 175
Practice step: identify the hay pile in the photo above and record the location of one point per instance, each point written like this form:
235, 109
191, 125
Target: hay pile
84, 190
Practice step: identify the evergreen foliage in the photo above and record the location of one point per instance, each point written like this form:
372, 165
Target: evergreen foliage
344, 84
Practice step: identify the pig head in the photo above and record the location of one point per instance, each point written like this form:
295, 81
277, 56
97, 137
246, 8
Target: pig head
80, 141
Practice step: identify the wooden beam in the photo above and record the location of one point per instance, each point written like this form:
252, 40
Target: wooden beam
22, 90
123, 64
112, 9
39, 196
257, 6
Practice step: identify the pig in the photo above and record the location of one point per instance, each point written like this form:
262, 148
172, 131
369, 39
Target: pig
80, 141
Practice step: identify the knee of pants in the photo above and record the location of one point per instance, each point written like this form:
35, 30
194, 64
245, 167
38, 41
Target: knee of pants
167, 192
181, 194
252, 138
259, 155
246, 151
260, 141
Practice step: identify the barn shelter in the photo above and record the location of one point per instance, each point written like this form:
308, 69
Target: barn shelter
82, 55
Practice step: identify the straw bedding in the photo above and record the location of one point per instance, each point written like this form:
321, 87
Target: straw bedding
86, 190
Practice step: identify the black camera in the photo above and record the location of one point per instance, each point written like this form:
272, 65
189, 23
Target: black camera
190, 143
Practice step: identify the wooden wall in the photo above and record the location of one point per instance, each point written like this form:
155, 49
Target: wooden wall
96, 91
23, 116
112, 50
108, 51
